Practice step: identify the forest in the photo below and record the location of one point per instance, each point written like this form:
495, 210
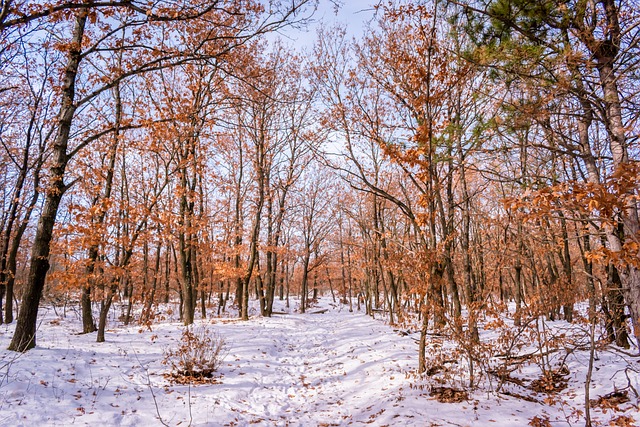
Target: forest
465, 171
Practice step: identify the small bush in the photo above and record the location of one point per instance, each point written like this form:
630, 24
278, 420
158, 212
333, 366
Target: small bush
199, 355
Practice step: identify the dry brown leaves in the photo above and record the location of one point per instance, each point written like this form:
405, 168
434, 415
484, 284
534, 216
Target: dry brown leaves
540, 422
611, 400
550, 382
448, 395
623, 421
178, 378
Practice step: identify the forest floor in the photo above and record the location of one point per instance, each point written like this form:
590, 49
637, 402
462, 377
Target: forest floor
331, 369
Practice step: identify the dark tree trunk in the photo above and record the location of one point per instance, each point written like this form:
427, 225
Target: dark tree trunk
24, 336
104, 310
147, 316
167, 272
304, 288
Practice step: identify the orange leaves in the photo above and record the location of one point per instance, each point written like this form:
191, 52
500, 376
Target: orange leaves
495, 323
602, 204
585, 200
540, 421
628, 255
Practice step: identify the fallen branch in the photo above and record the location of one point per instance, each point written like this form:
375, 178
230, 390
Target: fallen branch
519, 358
521, 396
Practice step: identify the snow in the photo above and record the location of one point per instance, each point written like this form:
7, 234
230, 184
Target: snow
331, 369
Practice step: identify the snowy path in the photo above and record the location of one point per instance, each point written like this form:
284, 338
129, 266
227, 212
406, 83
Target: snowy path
318, 369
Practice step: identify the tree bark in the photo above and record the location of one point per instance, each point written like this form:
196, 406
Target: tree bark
24, 336
304, 287
629, 274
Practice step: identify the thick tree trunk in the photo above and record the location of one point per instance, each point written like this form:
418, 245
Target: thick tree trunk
605, 52
88, 325
24, 336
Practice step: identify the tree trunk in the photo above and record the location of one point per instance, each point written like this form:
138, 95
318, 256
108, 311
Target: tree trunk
167, 272
268, 292
150, 300
304, 287
12, 260
422, 344
88, 325
186, 251
104, 310
24, 336
605, 52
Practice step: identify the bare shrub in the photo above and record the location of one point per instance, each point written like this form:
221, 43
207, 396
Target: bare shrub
199, 355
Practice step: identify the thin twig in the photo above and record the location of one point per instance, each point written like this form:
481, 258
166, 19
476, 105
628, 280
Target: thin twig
148, 384
190, 413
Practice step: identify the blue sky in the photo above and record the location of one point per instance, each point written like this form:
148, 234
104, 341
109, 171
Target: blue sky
353, 14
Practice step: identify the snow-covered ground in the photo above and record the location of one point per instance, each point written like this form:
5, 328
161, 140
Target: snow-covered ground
331, 369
